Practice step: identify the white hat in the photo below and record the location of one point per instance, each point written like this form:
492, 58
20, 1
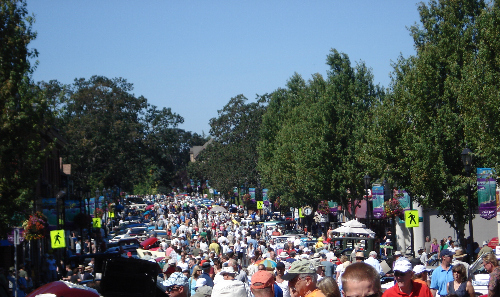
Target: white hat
227, 270
397, 253
171, 261
373, 253
402, 265
315, 256
485, 242
419, 269
283, 255
304, 256
235, 289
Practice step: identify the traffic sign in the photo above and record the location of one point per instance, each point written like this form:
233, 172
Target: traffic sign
57, 239
111, 214
96, 222
411, 218
260, 204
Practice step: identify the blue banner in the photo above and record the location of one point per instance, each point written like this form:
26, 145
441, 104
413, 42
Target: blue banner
378, 201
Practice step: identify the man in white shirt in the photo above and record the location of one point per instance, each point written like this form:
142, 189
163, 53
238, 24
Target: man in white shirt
372, 261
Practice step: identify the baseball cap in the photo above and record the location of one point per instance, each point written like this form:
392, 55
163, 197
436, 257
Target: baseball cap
204, 291
402, 265
262, 279
299, 267
419, 269
446, 252
176, 279
227, 270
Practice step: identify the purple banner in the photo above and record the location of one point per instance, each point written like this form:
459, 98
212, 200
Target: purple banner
378, 202
333, 207
486, 193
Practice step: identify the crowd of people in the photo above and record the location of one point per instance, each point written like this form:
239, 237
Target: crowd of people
210, 253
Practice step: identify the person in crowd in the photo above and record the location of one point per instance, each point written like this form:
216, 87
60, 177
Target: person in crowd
460, 285
176, 285
459, 258
206, 269
420, 274
229, 285
262, 284
490, 263
372, 261
405, 286
340, 269
361, 280
302, 279
328, 286
329, 266
443, 274
427, 245
484, 250
283, 284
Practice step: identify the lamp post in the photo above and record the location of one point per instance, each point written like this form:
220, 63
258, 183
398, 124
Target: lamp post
369, 204
467, 161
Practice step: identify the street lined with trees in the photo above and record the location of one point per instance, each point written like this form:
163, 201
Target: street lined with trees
311, 141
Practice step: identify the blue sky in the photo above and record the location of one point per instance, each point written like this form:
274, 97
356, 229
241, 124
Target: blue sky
193, 56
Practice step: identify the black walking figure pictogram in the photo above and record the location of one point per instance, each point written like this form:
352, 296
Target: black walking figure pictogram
56, 239
412, 218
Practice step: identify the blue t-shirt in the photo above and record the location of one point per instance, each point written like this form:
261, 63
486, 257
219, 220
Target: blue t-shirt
440, 278
278, 292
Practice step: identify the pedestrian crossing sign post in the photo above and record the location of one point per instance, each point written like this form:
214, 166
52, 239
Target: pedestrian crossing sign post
96, 222
260, 204
57, 239
411, 218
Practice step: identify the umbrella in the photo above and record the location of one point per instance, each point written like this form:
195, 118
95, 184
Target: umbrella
270, 264
218, 208
354, 227
354, 224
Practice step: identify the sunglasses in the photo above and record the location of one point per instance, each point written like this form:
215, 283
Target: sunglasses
172, 288
399, 273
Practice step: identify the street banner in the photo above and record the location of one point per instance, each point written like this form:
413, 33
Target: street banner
378, 201
49, 209
251, 191
486, 192
57, 239
265, 196
404, 199
72, 208
333, 207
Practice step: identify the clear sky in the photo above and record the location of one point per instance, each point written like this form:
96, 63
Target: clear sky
193, 56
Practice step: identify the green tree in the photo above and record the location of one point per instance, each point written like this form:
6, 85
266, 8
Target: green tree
24, 114
422, 127
231, 159
313, 133
102, 125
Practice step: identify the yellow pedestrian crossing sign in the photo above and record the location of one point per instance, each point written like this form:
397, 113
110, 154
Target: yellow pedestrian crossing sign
111, 214
260, 204
96, 222
411, 218
57, 239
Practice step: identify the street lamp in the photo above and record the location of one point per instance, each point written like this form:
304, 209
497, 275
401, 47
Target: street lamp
467, 161
366, 180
